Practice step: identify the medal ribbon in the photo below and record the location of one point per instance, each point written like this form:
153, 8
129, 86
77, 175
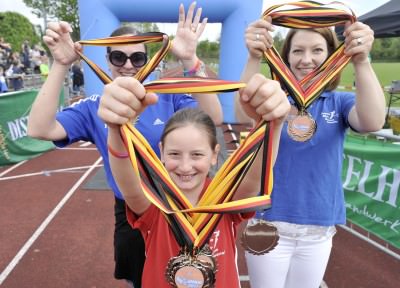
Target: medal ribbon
305, 15
192, 226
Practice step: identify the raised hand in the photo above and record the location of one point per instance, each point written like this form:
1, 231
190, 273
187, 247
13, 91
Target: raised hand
188, 33
257, 37
60, 43
359, 38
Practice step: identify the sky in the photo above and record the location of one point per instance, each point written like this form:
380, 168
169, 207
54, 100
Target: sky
212, 30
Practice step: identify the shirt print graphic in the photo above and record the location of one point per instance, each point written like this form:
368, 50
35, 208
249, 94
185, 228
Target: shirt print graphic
330, 117
213, 243
158, 121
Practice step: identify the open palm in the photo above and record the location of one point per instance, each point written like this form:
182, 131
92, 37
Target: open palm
188, 33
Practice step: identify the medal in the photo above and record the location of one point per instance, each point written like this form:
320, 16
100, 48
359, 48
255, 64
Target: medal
192, 271
189, 276
301, 127
260, 237
206, 258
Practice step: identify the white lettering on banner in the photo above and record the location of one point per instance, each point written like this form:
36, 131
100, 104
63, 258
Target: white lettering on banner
364, 178
393, 225
359, 171
394, 187
18, 128
351, 171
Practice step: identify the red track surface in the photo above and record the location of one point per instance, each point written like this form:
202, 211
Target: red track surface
54, 233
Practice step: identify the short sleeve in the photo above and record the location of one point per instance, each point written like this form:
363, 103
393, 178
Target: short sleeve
142, 222
347, 101
238, 218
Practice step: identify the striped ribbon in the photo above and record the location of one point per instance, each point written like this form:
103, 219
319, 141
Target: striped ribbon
308, 14
197, 223
150, 37
192, 226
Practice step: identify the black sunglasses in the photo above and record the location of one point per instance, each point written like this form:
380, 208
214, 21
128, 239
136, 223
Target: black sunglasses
119, 58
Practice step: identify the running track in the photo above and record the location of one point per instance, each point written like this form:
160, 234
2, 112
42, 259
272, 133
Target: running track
54, 233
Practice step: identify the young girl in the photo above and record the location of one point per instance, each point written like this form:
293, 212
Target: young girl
188, 150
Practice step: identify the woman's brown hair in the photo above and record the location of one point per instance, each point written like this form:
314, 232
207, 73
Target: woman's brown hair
192, 116
125, 30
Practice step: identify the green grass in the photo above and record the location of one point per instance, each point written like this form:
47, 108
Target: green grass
386, 72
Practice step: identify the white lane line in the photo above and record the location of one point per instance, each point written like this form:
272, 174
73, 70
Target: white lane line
233, 135
44, 224
244, 278
48, 172
12, 168
85, 144
78, 148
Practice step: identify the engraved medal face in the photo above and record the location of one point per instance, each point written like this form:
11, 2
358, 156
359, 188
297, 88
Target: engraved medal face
260, 237
192, 270
189, 277
301, 127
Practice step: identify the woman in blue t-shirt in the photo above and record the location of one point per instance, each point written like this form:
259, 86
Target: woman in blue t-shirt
307, 198
81, 122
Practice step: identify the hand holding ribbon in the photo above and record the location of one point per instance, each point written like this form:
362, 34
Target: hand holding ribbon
308, 14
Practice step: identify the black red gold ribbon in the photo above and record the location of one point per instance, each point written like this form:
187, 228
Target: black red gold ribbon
192, 226
308, 14
197, 222
150, 37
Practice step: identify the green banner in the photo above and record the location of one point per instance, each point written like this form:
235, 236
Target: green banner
371, 181
15, 145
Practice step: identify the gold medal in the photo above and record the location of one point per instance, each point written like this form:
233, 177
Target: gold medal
301, 127
259, 237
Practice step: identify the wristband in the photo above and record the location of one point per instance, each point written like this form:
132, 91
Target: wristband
191, 72
117, 154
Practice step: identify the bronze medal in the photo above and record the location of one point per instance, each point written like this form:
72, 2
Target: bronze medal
192, 271
205, 256
209, 264
174, 264
189, 276
301, 127
260, 237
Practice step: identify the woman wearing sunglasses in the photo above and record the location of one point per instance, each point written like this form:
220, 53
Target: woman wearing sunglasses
80, 121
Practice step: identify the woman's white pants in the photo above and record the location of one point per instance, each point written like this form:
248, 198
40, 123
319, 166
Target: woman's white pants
292, 264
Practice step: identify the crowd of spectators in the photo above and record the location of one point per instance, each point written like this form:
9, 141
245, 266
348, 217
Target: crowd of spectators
15, 65
20, 67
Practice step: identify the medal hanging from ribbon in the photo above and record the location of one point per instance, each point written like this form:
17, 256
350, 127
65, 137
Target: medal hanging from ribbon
192, 226
306, 15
